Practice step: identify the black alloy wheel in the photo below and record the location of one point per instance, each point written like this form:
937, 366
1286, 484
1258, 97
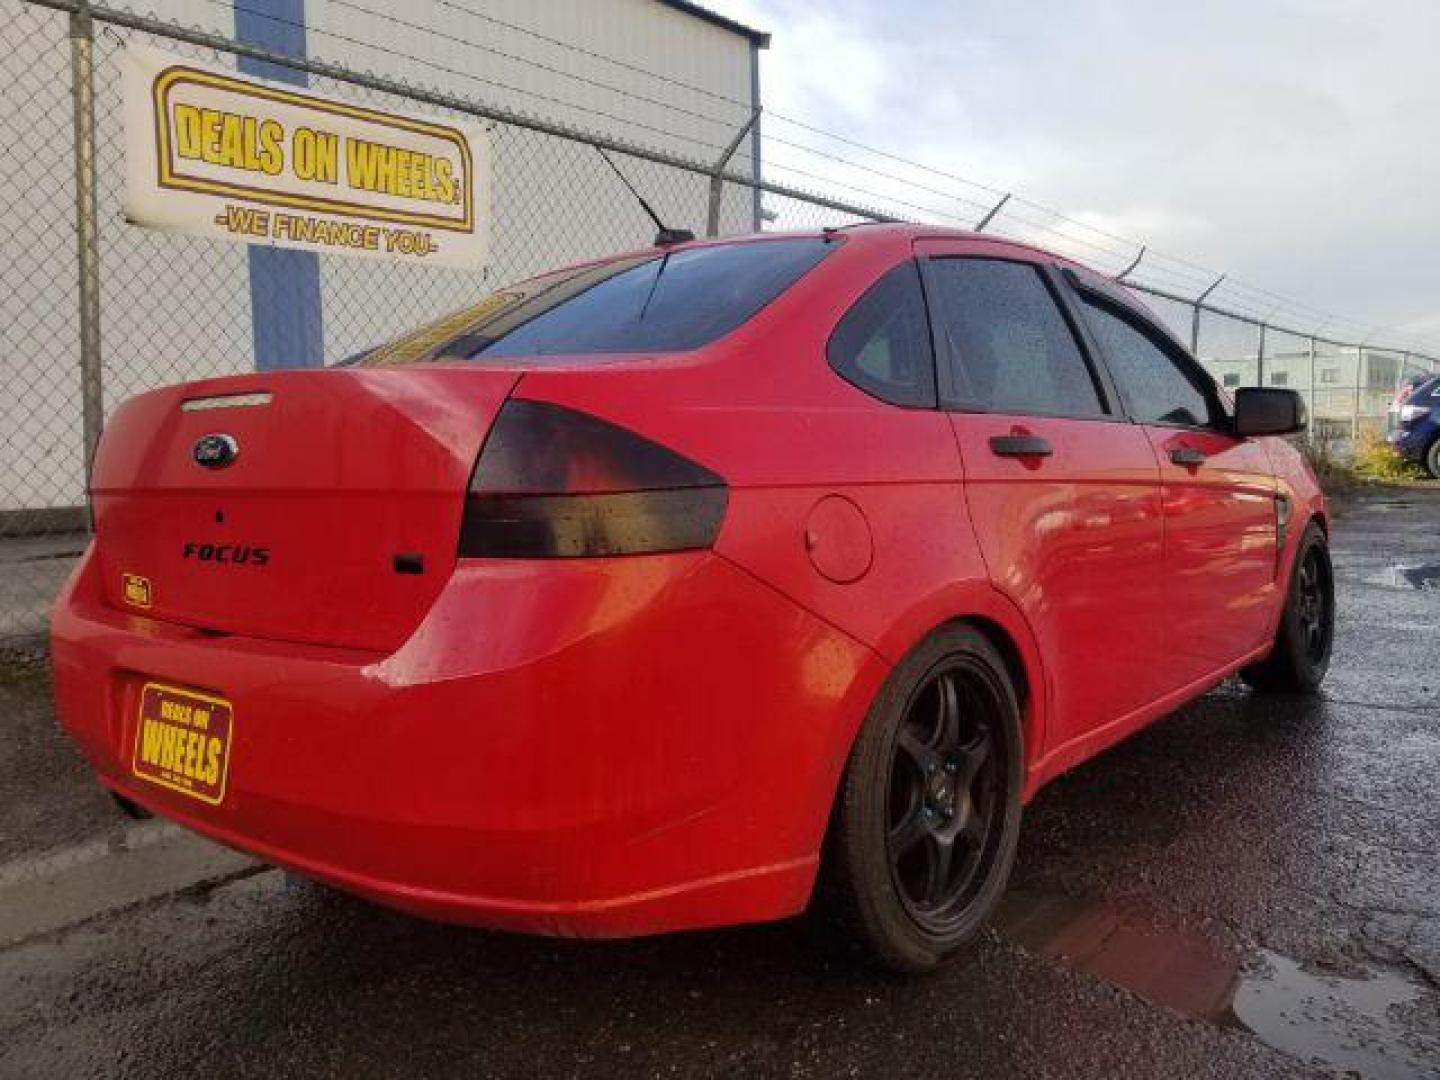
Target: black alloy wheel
947, 793
923, 834
1300, 656
1314, 604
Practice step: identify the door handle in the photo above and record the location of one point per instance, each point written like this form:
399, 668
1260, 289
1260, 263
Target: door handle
1187, 455
1020, 446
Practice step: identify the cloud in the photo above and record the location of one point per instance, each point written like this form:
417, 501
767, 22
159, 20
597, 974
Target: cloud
1288, 142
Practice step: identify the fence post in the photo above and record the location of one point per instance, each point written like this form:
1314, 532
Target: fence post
1260, 359
1314, 393
1196, 304
1134, 265
1355, 410
984, 222
717, 183
82, 90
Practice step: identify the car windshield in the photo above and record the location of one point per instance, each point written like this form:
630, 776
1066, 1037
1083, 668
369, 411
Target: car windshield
668, 301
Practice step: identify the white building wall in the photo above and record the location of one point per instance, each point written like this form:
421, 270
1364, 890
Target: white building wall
1336, 383
176, 308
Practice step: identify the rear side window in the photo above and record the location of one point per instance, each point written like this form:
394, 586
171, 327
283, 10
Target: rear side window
670, 301
1012, 350
882, 344
1154, 382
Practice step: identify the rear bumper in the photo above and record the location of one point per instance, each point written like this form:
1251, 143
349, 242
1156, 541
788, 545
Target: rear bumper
596, 748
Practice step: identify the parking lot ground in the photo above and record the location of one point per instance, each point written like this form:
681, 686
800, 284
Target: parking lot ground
32, 569
1249, 888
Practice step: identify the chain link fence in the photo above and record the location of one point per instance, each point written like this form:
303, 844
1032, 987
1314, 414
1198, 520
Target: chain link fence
173, 307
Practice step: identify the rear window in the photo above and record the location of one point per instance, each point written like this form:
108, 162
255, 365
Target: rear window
668, 301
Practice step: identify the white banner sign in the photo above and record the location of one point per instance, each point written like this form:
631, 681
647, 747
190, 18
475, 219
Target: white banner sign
215, 154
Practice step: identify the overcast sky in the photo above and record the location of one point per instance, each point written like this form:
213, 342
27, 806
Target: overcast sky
1292, 143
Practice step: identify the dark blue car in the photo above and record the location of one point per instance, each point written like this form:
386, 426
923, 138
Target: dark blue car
1418, 436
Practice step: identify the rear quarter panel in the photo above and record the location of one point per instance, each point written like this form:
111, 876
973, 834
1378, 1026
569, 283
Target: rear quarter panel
763, 408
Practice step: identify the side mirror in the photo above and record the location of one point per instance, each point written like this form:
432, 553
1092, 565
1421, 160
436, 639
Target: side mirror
1269, 411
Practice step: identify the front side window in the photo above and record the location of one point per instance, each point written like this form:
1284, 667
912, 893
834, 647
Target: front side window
1012, 350
1154, 384
882, 344
670, 301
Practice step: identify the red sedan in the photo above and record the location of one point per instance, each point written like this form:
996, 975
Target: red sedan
686, 587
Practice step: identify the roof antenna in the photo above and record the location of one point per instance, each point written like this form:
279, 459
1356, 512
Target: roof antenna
664, 237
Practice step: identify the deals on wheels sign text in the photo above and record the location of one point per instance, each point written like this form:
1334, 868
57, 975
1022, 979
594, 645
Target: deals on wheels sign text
211, 153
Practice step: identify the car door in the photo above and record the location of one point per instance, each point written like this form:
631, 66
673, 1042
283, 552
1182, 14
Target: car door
1063, 490
1219, 490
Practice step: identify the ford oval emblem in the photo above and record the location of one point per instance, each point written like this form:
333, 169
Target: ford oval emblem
215, 451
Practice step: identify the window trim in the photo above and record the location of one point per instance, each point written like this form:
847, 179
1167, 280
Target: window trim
945, 359
934, 401
1111, 298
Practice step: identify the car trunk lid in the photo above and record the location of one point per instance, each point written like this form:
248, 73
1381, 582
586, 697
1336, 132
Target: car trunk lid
314, 506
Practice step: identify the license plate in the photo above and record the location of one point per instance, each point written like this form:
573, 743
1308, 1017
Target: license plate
182, 741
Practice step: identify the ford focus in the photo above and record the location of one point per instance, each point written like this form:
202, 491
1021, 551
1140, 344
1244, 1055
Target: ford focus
697, 586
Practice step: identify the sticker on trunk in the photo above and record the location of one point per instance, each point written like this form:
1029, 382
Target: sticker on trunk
182, 741
136, 590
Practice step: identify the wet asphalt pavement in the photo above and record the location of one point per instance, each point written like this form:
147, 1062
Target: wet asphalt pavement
1248, 885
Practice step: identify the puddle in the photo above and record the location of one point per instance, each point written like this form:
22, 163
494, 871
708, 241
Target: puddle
1425, 577
1179, 971
1345, 1024
1417, 577
1348, 1025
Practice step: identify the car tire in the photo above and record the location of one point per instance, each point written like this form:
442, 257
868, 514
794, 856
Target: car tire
924, 830
1301, 655
1432, 458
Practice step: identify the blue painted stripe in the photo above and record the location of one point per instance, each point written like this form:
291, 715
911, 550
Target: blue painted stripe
285, 317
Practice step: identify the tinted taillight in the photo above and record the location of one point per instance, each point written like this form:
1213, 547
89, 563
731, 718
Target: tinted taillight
553, 482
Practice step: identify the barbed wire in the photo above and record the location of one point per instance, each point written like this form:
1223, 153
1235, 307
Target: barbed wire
666, 133
1183, 272
1054, 229
450, 36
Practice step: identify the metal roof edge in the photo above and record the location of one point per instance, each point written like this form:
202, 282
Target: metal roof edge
759, 38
